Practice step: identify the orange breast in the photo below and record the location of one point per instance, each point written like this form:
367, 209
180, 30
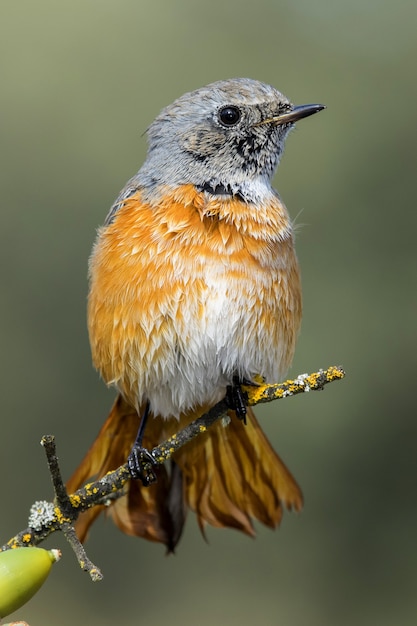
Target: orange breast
186, 291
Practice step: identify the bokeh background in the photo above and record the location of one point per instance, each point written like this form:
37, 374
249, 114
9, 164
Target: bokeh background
80, 82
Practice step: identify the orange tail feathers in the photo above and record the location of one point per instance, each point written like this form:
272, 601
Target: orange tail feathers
143, 511
229, 476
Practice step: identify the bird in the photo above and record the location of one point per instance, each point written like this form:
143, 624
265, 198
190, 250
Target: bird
194, 290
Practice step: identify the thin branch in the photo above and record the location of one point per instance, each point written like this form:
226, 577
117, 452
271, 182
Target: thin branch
255, 395
46, 517
80, 553
61, 495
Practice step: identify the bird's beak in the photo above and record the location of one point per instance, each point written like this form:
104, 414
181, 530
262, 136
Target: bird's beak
297, 113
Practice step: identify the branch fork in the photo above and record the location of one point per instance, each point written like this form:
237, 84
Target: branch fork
47, 517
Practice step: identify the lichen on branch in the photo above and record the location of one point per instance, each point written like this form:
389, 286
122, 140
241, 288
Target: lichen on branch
48, 517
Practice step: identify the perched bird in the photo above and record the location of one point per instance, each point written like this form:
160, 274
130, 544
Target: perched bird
195, 287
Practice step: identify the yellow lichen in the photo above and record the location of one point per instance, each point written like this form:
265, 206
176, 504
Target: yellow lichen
75, 501
60, 517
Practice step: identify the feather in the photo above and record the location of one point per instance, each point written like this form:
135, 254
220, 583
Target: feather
229, 476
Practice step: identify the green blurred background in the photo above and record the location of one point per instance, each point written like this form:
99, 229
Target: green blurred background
80, 82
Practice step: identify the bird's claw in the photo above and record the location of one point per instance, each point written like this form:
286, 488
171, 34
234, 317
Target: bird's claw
236, 398
141, 462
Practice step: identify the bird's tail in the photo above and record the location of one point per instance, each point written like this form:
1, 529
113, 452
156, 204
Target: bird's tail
229, 476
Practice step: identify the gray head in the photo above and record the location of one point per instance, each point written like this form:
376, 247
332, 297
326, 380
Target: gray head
226, 137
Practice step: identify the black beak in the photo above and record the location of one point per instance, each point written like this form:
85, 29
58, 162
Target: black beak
297, 113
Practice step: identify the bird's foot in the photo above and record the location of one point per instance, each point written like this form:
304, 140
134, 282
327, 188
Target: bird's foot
141, 462
237, 398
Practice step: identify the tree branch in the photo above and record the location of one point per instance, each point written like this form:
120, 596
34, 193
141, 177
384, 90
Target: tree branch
47, 517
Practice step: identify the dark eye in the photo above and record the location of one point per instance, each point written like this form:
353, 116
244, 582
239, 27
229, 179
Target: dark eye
229, 115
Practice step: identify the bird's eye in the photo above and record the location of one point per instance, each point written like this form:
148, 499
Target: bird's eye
229, 115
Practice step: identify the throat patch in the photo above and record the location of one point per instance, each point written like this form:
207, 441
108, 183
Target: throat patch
220, 190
